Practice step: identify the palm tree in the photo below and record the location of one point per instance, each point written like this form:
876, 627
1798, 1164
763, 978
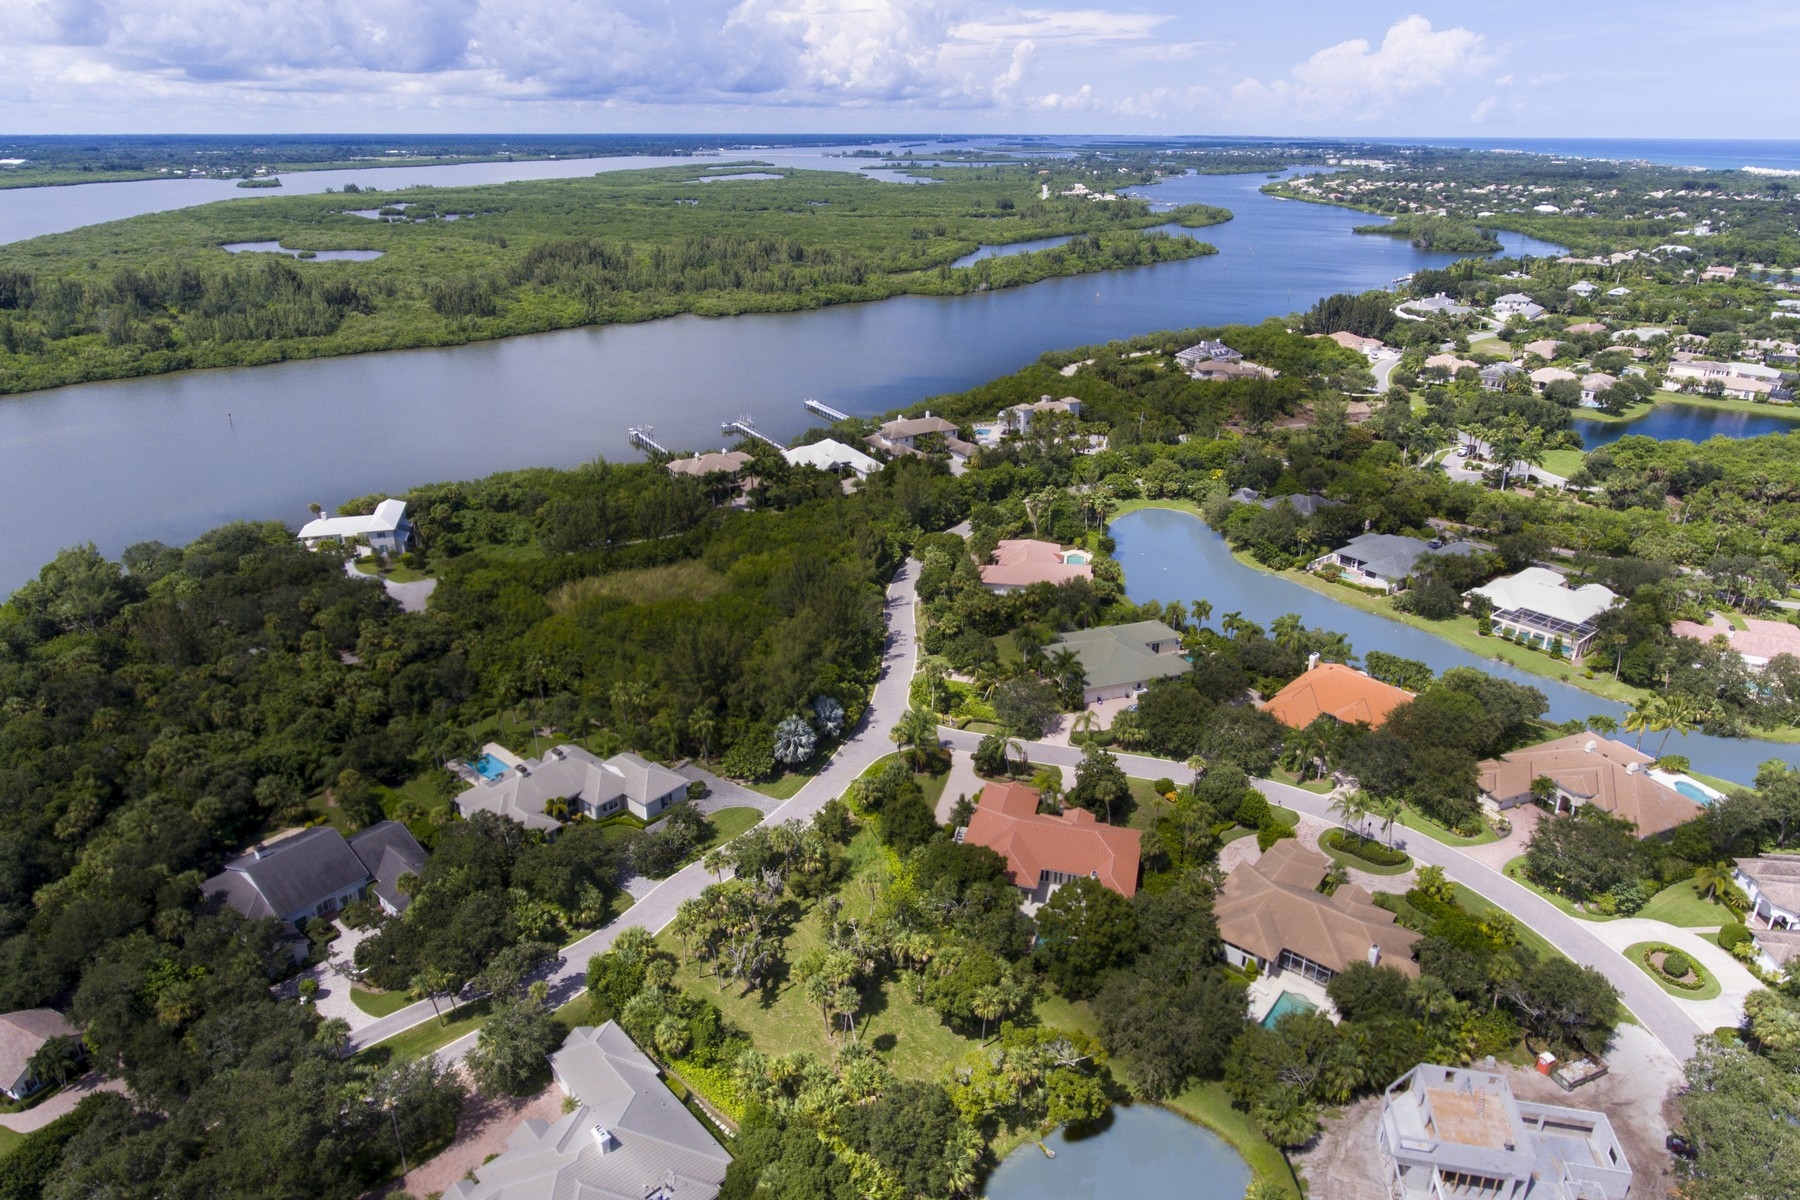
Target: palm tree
1679, 713
1385, 809
1287, 631
916, 735
934, 668
1711, 881
1030, 641
1641, 719
1085, 725
1202, 610
1352, 806
1602, 724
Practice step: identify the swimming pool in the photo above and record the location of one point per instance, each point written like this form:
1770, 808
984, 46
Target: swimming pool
1693, 791
1287, 1003
489, 767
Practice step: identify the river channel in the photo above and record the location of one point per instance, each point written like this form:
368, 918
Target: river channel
172, 456
1171, 555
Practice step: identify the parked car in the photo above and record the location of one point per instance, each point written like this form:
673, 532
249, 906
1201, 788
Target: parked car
1680, 1146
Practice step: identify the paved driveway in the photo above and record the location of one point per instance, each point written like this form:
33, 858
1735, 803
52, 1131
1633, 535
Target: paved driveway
658, 905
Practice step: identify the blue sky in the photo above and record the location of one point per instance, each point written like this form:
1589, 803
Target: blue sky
1524, 68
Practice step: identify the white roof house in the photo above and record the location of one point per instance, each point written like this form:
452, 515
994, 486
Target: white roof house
832, 455
1538, 604
1517, 303
386, 529
593, 786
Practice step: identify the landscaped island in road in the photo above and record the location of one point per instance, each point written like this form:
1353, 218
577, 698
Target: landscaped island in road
158, 293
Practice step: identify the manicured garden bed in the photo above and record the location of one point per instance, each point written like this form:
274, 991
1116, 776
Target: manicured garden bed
1654, 959
1364, 854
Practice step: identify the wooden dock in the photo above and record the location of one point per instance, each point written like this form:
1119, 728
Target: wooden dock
745, 426
824, 410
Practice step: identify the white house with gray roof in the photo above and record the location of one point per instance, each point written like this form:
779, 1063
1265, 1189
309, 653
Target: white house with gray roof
628, 1138
319, 871
586, 785
1450, 1131
1384, 560
1121, 660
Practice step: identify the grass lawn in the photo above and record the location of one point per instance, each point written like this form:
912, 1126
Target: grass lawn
931, 785
413, 1044
1319, 787
1363, 864
1207, 1104
910, 1037
1515, 871
379, 1004
1563, 462
786, 784
9, 1141
1722, 404
1639, 953
1680, 904
1415, 820
422, 790
366, 566
727, 823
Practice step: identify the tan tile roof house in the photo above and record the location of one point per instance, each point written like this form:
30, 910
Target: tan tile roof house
1270, 910
1043, 851
1334, 690
1772, 883
728, 462
23, 1034
626, 1138
1589, 769
1020, 562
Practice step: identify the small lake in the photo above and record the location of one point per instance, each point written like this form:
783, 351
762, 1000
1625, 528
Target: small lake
1170, 555
1671, 419
308, 255
1142, 1152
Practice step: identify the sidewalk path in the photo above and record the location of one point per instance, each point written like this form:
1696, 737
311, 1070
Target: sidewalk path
657, 906
1674, 1023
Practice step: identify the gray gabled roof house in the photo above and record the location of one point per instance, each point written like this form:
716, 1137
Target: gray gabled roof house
1384, 560
317, 871
23, 1034
1121, 660
629, 1138
588, 785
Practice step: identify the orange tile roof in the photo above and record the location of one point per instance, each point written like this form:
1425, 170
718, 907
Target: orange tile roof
1334, 690
1007, 822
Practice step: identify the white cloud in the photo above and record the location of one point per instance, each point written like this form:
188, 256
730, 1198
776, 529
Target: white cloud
1356, 80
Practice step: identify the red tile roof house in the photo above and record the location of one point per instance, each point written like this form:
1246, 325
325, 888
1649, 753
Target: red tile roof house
1043, 852
1020, 562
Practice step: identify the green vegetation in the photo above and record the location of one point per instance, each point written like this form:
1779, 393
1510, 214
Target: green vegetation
1364, 854
1682, 904
1437, 233
727, 823
1208, 1104
155, 293
379, 1004
422, 1039
1663, 964
1515, 870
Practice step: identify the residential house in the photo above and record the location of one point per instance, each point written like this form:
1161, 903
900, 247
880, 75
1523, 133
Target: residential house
1440, 304
1772, 884
1450, 363
1384, 560
1759, 643
1205, 352
1121, 660
23, 1034
384, 531
1583, 288
831, 455
1585, 768
1642, 334
1327, 689
1017, 419
318, 871
1586, 327
1494, 377
1020, 562
1224, 371
1739, 380
902, 436
1543, 347
1618, 291
1538, 606
1270, 912
1517, 304
626, 1137
727, 462
1718, 273
1456, 1131
1543, 377
1042, 851
1306, 504
570, 777
1370, 348
1593, 384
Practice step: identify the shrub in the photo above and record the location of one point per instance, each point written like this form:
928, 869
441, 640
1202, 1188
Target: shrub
1732, 935
1270, 832
1253, 811
1677, 965
1369, 851
1163, 786
753, 757
1627, 898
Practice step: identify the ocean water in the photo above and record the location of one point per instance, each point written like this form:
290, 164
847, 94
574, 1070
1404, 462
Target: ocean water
1713, 154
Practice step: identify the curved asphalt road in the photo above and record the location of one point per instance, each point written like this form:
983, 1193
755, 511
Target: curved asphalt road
1661, 1014
657, 907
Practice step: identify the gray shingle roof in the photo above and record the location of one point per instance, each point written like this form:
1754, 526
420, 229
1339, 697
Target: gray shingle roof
290, 875
650, 1139
388, 850
1115, 654
1392, 556
566, 772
